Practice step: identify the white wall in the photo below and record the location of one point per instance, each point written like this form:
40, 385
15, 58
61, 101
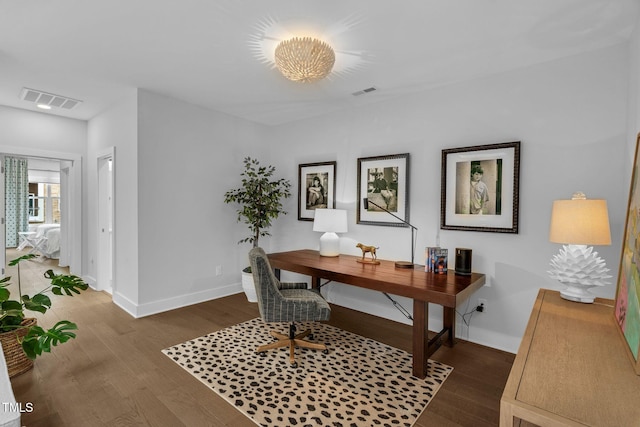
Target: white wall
117, 127
570, 116
188, 157
40, 131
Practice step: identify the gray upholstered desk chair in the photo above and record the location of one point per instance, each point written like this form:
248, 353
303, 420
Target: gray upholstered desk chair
286, 302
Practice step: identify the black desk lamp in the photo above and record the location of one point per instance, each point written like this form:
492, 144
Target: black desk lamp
399, 264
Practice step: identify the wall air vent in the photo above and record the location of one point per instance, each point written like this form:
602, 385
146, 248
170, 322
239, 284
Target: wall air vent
41, 98
363, 91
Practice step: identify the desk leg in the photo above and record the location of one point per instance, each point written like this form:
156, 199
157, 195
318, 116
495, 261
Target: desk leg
315, 282
420, 337
449, 323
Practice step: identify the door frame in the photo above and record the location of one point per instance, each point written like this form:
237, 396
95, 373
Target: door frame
105, 265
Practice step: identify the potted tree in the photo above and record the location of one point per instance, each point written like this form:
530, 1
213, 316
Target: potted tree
21, 337
260, 199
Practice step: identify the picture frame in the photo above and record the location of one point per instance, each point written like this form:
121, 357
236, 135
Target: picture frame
494, 205
627, 302
316, 188
384, 181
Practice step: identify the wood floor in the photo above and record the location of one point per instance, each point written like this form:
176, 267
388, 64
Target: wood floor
113, 373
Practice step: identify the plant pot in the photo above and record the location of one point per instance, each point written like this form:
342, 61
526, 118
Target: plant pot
17, 361
247, 285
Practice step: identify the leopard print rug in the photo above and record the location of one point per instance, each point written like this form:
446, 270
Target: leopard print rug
360, 382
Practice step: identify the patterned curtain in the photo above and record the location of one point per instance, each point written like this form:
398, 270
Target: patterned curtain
16, 190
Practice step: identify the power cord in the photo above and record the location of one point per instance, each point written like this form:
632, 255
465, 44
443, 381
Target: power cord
466, 317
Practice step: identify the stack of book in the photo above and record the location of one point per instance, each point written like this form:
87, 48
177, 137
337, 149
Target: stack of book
436, 260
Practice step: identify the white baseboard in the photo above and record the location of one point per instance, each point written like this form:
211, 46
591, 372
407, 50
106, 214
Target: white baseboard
487, 338
91, 281
154, 307
125, 303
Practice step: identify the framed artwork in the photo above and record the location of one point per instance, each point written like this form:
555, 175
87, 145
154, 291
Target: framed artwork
627, 308
479, 188
316, 188
383, 181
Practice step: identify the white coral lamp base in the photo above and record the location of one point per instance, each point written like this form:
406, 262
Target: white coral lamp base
577, 293
579, 268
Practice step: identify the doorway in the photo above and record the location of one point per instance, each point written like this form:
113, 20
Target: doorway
71, 207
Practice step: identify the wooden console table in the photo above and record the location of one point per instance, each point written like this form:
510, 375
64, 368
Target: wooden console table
446, 290
571, 369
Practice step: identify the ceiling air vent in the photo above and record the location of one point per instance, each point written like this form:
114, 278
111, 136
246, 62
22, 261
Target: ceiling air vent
43, 98
363, 91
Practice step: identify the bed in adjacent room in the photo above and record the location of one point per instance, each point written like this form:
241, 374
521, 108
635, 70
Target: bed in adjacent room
49, 237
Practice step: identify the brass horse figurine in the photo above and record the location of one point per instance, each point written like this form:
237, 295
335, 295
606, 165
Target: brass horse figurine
368, 249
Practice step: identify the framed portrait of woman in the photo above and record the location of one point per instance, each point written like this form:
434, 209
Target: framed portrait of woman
316, 188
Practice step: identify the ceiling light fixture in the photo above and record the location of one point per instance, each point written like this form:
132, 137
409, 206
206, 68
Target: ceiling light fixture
304, 59
44, 106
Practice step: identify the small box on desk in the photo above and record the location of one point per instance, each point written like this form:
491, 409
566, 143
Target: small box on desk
436, 260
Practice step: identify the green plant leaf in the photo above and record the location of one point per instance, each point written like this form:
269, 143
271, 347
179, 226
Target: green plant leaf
11, 305
39, 303
42, 299
11, 321
38, 340
69, 284
22, 258
11, 314
4, 292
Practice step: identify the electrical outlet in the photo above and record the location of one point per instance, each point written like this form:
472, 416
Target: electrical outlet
483, 302
218, 270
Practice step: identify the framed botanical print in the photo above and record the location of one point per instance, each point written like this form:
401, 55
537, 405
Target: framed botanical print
316, 188
384, 182
480, 188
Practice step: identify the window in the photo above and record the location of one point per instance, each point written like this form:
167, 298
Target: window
44, 203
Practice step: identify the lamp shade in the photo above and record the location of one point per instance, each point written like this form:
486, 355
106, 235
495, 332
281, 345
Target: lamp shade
331, 220
580, 221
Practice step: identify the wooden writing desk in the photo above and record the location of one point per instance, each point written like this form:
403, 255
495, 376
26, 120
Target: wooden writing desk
571, 369
446, 290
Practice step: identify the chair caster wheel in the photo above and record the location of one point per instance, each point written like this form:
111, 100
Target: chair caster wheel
294, 365
262, 353
325, 351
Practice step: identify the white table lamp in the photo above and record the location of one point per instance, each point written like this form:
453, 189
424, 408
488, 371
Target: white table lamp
577, 223
330, 221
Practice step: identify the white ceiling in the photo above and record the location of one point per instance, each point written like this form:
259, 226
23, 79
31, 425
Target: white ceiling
215, 53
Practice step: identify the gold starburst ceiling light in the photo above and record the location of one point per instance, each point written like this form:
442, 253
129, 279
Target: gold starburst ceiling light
304, 59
